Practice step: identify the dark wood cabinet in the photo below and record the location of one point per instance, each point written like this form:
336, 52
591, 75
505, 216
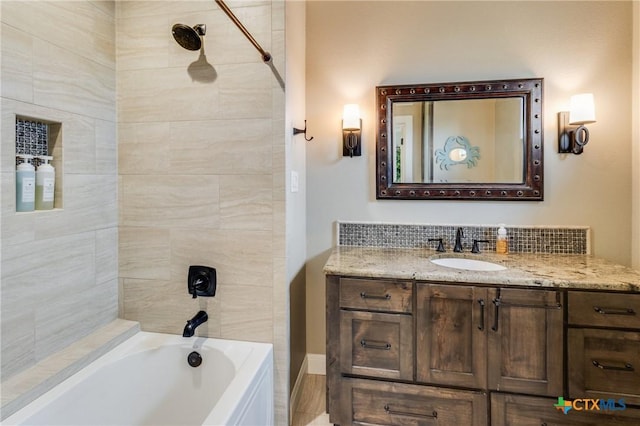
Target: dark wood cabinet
526, 341
376, 344
376, 295
501, 339
404, 352
604, 364
369, 334
603, 346
609, 310
519, 410
386, 403
451, 339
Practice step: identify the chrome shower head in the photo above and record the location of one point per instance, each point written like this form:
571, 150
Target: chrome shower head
188, 37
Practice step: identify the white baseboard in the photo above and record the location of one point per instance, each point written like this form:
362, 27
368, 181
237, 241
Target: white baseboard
297, 388
317, 364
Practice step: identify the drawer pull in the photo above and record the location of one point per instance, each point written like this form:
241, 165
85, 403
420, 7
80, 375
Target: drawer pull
481, 326
368, 296
627, 366
372, 344
388, 410
614, 311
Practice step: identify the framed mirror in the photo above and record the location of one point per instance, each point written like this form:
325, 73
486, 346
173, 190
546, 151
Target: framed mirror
472, 141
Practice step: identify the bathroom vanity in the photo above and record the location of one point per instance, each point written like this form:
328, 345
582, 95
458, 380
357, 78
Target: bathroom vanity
411, 342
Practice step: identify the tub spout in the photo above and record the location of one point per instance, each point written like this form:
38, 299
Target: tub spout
193, 323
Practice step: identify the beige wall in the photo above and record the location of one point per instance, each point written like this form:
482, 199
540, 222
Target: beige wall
635, 96
354, 46
59, 268
296, 201
202, 173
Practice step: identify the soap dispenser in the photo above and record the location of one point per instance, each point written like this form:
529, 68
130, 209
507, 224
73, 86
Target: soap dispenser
25, 184
45, 183
502, 242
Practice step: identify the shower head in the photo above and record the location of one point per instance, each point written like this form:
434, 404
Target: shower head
187, 37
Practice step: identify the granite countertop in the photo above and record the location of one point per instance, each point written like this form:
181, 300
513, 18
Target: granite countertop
523, 269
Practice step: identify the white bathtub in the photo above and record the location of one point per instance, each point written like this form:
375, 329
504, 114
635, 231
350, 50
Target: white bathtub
147, 381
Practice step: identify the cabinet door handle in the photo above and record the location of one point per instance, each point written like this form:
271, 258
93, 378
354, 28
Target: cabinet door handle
530, 305
433, 415
369, 296
627, 366
496, 303
481, 326
614, 311
375, 345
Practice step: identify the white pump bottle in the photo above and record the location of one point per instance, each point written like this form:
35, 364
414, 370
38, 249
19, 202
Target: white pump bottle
45, 184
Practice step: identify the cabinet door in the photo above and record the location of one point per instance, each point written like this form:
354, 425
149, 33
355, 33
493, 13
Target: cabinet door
525, 341
376, 344
371, 402
451, 343
517, 410
604, 364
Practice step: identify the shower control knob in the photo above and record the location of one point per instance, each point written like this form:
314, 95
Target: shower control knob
201, 281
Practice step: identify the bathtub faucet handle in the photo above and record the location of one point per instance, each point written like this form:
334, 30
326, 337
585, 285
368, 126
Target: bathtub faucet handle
198, 286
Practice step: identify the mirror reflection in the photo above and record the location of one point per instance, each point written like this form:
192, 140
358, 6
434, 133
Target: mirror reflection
477, 140
456, 141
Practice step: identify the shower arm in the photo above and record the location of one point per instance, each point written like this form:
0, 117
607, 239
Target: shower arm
266, 56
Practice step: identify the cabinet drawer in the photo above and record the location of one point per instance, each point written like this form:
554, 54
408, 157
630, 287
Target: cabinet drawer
604, 364
380, 403
520, 410
604, 309
376, 295
376, 344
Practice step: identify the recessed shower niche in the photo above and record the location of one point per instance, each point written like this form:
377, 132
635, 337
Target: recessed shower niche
39, 165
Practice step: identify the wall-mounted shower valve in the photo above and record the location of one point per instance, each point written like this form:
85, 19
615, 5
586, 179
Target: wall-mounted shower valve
201, 281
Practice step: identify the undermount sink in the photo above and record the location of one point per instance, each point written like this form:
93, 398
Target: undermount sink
468, 264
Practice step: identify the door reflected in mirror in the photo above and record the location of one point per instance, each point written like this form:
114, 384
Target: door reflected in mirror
456, 141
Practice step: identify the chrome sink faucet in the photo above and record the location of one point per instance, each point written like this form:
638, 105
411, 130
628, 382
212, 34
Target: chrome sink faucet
458, 246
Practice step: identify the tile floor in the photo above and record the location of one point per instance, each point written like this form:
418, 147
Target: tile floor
311, 408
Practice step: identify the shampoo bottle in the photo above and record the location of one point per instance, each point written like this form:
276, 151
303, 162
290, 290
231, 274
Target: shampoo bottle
502, 242
45, 184
25, 185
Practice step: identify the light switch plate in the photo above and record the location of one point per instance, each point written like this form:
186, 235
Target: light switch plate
295, 182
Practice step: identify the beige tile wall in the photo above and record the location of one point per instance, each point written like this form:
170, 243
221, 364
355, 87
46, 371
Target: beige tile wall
59, 268
202, 173
201, 178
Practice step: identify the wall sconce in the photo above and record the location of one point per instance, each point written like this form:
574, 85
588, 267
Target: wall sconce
572, 133
351, 131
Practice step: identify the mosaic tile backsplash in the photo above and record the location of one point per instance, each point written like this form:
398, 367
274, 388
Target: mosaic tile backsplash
31, 137
522, 239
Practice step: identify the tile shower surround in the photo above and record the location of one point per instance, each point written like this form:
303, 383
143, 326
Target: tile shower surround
49, 79
522, 239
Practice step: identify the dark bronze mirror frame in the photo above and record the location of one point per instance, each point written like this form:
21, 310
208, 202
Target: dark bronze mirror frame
531, 189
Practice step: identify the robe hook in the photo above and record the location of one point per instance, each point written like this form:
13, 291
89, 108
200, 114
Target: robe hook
304, 131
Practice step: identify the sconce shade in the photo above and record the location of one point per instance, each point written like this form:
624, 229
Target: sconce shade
351, 117
351, 131
582, 109
572, 139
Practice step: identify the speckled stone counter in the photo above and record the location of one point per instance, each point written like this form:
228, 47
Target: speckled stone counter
582, 272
